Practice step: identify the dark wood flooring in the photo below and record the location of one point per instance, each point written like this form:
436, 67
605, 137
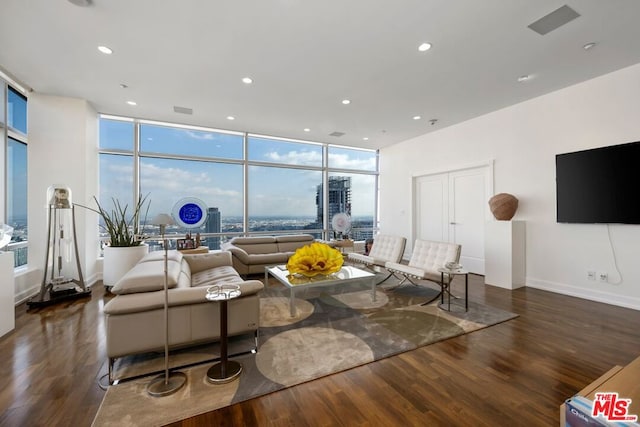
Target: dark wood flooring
513, 374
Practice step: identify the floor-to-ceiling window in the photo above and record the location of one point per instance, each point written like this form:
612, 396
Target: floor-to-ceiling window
13, 123
251, 184
283, 176
354, 171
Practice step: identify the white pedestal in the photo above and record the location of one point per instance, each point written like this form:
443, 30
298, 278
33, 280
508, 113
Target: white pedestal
504, 254
7, 294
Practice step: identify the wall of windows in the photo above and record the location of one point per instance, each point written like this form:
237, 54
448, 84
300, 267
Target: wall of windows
279, 186
13, 127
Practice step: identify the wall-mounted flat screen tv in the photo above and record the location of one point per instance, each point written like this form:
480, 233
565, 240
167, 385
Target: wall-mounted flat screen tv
600, 185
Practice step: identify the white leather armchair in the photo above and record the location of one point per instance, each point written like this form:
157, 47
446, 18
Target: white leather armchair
386, 248
427, 257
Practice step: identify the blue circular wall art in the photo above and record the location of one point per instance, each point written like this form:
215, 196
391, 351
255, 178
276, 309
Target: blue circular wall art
190, 212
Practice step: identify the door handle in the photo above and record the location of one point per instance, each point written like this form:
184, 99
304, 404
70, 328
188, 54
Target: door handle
452, 223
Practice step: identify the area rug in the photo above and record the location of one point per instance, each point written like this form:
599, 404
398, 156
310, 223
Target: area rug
335, 329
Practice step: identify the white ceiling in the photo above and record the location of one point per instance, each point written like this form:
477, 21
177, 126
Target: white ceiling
306, 56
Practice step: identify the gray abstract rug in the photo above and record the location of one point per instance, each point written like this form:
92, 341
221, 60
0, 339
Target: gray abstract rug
335, 329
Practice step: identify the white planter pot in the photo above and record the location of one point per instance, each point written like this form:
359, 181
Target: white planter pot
117, 261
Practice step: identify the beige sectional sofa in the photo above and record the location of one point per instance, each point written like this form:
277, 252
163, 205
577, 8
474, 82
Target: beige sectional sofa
251, 255
135, 316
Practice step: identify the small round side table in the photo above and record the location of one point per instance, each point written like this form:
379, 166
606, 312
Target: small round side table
225, 370
447, 289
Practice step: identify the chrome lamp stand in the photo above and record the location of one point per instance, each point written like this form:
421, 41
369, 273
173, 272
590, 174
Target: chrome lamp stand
170, 382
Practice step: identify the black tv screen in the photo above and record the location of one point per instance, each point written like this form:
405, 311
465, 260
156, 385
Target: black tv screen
600, 185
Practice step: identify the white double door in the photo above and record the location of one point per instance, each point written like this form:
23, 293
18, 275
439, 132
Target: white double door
453, 207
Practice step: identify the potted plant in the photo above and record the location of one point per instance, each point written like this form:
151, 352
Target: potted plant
126, 237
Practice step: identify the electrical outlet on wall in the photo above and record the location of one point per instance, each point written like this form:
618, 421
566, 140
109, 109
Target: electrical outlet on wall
591, 275
603, 276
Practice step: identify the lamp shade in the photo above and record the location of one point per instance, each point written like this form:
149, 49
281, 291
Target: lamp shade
59, 196
162, 219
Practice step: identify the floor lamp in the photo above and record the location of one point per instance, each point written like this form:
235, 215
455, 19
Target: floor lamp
168, 383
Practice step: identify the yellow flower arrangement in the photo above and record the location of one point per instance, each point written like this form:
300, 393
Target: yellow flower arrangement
316, 258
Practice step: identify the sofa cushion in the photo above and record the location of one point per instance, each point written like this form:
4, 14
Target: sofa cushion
185, 273
148, 276
205, 261
255, 245
259, 248
214, 276
252, 240
172, 255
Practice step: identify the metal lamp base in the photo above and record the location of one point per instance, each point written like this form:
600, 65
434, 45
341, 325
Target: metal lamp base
215, 374
161, 386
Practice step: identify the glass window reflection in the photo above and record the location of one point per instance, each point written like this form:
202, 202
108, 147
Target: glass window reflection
347, 158
116, 134
190, 142
284, 199
285, 152
17, 111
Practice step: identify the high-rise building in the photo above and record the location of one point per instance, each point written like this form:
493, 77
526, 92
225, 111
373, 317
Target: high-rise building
339, 197
213, 225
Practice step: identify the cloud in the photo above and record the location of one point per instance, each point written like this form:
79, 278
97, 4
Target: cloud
314, 158
343, 161
199, 135
306, 158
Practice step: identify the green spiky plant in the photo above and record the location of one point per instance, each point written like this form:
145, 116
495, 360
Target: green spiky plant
123, 227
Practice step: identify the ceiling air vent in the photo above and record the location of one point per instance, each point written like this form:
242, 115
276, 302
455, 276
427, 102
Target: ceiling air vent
554, 20
183, 110
336, 134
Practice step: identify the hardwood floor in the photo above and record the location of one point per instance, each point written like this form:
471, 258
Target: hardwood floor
516, 373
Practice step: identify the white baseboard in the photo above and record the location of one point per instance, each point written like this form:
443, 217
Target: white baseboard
25, 294
589, 294
34, 288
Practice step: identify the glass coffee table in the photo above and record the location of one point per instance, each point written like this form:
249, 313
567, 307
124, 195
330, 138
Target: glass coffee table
347, 274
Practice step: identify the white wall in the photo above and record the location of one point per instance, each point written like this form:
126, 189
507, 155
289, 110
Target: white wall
523, 141
62, 150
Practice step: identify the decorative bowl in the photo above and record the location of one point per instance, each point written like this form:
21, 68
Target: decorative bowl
453, 266
315, 259
223, 291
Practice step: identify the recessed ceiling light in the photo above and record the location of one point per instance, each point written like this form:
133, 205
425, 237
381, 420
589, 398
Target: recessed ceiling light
105, 50
307, 130
417, 117
424, 47
132, 103
366, 138
524, 78
346, 101
247, 80
588, 46
230, 118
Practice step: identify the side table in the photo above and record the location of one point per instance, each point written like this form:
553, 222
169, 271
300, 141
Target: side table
447, 289
226, 370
